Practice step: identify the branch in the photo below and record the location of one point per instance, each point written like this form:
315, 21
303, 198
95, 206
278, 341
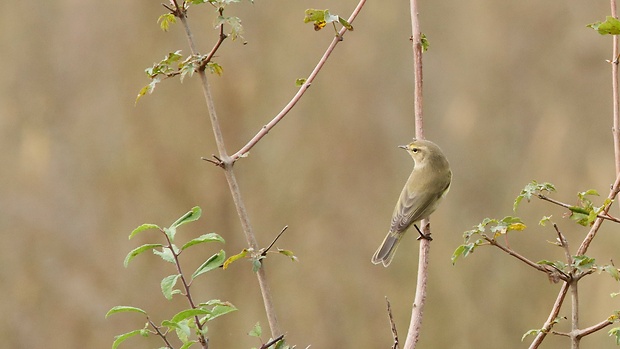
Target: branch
539, 267
615, 97
392, 325
589, 330
604, 215
266, 128
413, 334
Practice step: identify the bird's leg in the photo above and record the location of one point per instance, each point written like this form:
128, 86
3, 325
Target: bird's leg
422, 235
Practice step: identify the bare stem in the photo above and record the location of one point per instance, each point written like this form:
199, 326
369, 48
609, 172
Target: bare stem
615, 97
304, 87
413, 335
416, 38
574, 297
392, 325
559, 203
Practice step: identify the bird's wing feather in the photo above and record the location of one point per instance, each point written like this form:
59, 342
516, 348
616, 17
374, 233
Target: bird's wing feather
411, 208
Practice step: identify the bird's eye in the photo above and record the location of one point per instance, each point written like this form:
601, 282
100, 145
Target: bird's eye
415, 150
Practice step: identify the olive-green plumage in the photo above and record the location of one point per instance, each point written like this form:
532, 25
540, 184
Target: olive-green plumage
428, 183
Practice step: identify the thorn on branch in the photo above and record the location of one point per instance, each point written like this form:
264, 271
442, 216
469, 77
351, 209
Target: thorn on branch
217, 162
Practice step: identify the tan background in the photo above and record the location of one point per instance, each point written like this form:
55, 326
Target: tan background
514, 91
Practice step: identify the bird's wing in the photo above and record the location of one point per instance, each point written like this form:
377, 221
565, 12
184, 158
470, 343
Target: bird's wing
412, 207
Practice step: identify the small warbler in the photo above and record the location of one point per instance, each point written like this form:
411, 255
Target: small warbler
428, 183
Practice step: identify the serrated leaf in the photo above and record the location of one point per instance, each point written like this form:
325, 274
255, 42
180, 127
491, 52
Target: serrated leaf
234, 258
136, 251
122, 337
166, 20
583, 263
613, 271
215, 68
463, 251
183, 331
545, 220
166, 254
167, 285
257, 331
123, 309
213, 262
190, 216
611, 26
185, 314
142, 228
209, 237
148, 88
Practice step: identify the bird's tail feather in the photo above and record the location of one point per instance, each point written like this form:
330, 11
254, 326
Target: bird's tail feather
386, 251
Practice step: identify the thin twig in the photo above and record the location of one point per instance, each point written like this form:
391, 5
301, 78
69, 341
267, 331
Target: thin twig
564, 245
304, 87
559, 203
264, 252
272, 342
539, 267
392, 324
615, 97
589, 330
413, 334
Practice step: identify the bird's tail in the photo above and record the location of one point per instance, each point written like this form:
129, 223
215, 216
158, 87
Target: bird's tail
386, 251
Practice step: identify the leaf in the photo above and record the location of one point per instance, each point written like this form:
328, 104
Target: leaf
167, 285
215, 68
534, 332
122, 337
345, 23
424, 42
613, 271
147, 89
532, 189
256, 331
611, 26
213, 262
256, 264
166, 254
190, 216
288, 254
187, 344
236, 257
123, 309
210, 237
136, 251
320, 18
545, 220
299, 82
188, 313
142, 228
615, 332
218, 309
166, 20
463, 251
583, 263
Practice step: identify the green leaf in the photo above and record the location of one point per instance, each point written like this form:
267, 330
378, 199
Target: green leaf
122, 309
166, 20
122, 337
534, 332
166, 254
210, 237
167, 285
213, 262
613, 271
615, 332
185, 314
142, 228
345, 23
218, 309
187, 344
190, 216
136, 251
288, 254
299, 82
147, 89
583, 263
236, 29
532, 189
256, 264
256, 331
463, 251
215, 68
611, 26
545, 220
424, 42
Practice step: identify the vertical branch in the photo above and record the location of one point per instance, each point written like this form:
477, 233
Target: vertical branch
574, 296
232, 181
415, 325
420, 296
416, 39
614, 84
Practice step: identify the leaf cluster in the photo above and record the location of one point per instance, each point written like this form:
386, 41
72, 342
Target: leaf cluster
320, 18
188, 324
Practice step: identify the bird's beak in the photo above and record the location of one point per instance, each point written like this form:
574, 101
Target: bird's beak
403, 147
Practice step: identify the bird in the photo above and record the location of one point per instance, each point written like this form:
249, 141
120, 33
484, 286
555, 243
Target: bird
427, 185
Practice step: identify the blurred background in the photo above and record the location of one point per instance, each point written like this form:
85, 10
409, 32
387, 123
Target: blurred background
514, 91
